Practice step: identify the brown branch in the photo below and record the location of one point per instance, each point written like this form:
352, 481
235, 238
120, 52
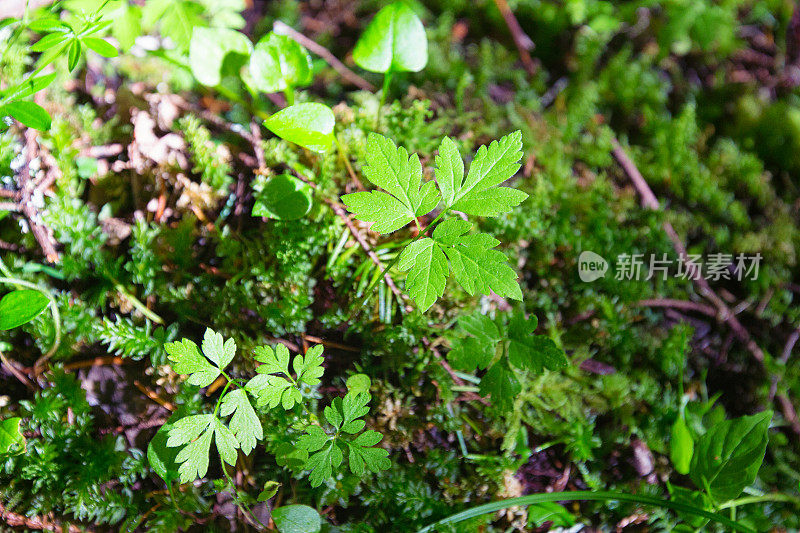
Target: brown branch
41, 233
521, 40
35, 522
284, 29
649, 200
683, 305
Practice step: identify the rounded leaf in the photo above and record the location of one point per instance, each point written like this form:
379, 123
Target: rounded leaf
284, 198
20, 307
162, 457
310, 125
394, 41
278, 63
208, 49
296, 519
681, 447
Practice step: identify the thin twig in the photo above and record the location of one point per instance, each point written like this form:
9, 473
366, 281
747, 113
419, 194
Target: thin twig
36, 522
684, 305
284, 29
523, 43
41, 233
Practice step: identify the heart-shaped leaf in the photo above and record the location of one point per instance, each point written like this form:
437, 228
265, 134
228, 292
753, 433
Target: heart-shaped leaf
278, 63
394, 41
310, 125
20, 307
284, 198
208, 50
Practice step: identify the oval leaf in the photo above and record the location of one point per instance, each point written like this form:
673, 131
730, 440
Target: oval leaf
309, 125
394, 41
10, 436
681, 447
20, 307
278, 63
296, 519
208, 50
284, 198
100, 46
30, 114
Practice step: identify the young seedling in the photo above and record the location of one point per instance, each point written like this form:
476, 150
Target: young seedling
279, 63
215, 52
309, 124
284, 197
471, 257
394, 41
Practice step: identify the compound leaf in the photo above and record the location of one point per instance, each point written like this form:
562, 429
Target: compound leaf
188, 360
244, 424
530, 351
279, 62
427, 271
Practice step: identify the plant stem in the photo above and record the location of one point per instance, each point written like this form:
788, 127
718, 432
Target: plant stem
289, 94
589, 496
253, 519
138, 304
387, 79
759, 499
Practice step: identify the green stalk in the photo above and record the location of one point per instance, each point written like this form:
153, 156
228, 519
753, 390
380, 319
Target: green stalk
387, 79
587, 495
289, 94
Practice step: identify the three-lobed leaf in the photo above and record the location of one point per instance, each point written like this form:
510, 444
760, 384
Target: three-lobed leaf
188, 360
244, 423
394, 41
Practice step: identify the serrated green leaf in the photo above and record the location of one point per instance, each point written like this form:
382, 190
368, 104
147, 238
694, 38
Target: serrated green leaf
279, 62
530, 351
727, 457
501, 384
475, 265
161, 457
218, 350
479, 193
20, 307
359, 383
309, 124
478, 348
449, 170
296, 519
244, 424
226, 442
194, 433
363, 456
392, 169
427, 271
187, 360
313, 439
274, 360
322, 463
394, 41
268, 389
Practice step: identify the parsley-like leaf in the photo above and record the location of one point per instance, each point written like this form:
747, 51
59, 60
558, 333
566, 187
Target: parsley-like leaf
501, 384
390, 168
188, 360
194, 433
244, 424
530, 351
363, 456
427, 276
274, 384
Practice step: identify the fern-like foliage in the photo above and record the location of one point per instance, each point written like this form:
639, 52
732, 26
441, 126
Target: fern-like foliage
452, 248
123, 337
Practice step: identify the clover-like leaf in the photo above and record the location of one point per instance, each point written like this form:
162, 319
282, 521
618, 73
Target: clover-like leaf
278, 63
394, 41
284, 197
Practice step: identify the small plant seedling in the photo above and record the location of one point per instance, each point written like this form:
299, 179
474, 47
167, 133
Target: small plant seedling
471, 257
215, 52
284, 197
279, 63
309, 124
394, 41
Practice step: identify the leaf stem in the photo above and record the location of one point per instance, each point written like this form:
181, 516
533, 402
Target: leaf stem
588, 496
387, 79
135, 302
760, 499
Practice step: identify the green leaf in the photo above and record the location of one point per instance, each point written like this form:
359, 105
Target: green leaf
284, 198
363, 456
727, 457
49, 41
278, 63
29, 86
245, 425
475, 265
47, 25
270, 490
128, 24
208, 49
226, 442
479, 194
217, 349
73, 54
322, 463
187, 360
310, 125
176, 19
10, 436
427, 271
194, 434
29, 113
681, 446
308, 368
530, 351
162, 457
476, 350
296, 519
359, 383
501, 384
100, 46
271, 389
392, 169
551, 512
20, 307
394, 41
